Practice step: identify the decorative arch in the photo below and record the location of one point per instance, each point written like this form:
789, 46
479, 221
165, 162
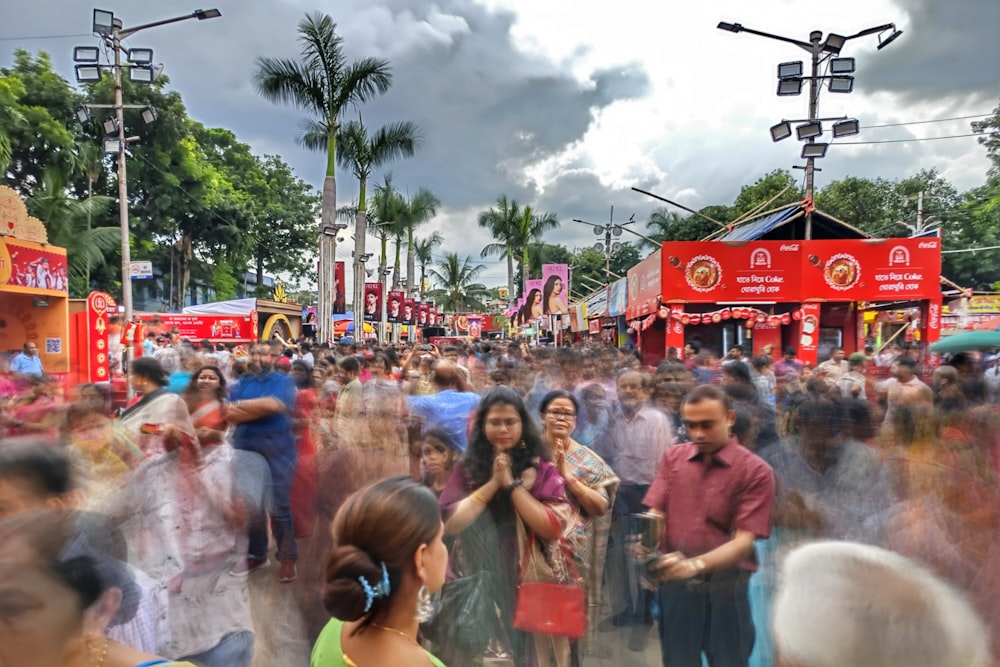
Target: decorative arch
276, 324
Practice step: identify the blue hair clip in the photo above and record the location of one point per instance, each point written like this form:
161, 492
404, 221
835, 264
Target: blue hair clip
378, 592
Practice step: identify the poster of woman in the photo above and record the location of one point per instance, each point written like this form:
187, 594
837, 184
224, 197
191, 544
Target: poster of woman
555, 288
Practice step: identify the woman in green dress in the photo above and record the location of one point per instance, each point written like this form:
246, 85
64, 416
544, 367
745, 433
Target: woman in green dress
388, 559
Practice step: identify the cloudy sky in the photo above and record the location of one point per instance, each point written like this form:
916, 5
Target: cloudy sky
567, 105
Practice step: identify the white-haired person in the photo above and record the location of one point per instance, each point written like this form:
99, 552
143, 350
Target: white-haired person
844, 603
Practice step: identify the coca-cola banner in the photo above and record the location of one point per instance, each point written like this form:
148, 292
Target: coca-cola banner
784, 271
714, 271
871, 269
809, 338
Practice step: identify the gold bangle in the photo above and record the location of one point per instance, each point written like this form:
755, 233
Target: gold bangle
475, 494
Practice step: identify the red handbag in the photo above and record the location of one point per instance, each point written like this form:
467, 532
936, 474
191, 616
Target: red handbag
550, 608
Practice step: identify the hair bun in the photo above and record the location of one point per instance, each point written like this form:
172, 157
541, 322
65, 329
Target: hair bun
343, 595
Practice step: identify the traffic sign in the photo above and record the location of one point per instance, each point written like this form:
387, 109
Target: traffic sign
140, 270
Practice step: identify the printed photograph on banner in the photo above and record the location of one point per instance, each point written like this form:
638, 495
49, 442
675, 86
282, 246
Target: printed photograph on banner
373, 302
409, 311
422, 310
555, 289
339, 302
394, 307
532, 308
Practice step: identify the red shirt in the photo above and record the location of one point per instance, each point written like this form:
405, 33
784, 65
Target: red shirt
703, 505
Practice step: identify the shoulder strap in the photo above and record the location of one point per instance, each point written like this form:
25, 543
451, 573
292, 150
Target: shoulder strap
562, 543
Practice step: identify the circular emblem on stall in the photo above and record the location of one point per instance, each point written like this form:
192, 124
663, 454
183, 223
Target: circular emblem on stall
100, 344
841, 271
703, 273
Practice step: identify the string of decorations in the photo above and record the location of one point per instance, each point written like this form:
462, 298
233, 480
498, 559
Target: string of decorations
753, 316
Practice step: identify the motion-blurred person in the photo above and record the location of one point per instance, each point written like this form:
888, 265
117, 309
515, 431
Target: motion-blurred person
64, 584
853, 383
388, 560
595, 411
303, 497
205, 397
638, 437
904, 388
158, 421
835, 366
763, 378
715, 498
450, 407
261, 406
853, 604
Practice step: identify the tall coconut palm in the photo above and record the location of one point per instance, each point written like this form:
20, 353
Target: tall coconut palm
531, 228
383, 216
457, 290
361, 152
501, 221
423, 248
416, 210
324, 85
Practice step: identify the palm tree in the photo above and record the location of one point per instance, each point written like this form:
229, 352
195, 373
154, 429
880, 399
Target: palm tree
385, 211
324, 85
423, 248
416, 210
455, 277
67, 221
502, 222
530, 229
662, 226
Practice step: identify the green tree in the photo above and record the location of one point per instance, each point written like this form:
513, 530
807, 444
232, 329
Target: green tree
324, 85
666, 225
415, 211
773, 190
990, 129
457, 289
861, 202
423, 249
501, 221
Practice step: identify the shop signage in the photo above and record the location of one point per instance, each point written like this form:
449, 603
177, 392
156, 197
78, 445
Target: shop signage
644, 286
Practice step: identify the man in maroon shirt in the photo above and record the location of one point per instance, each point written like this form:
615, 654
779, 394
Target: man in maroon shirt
716, 499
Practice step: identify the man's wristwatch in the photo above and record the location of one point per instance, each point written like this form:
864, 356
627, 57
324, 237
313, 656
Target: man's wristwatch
513, 485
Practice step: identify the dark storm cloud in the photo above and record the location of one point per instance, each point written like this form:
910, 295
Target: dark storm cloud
949, 49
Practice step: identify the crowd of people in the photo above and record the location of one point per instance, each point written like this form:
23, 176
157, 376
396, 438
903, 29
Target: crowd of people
753, 509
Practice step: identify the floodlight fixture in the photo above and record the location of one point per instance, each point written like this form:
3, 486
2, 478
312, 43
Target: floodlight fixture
202, 14
332, 230
112, 145
841, 84
814, 150
846, 128
103, 21
730, 27
140, 56
148, 115
834, 43
882, 43
842, 66
616, 246
782, 130
110, 125
809, 130
86, 54
790, 70
789, 87
598, 230
140, 74
599, 247
87, 73
83, 114
616, 230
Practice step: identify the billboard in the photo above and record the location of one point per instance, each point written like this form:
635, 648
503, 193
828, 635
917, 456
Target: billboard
409, 315
339, 302
33, 268
394, 308
532, 308
710, 272
871, 270
555, 289
644, 286
373, 302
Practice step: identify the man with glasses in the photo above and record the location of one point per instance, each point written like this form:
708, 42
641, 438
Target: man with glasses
27, 362
261, 407
638, 436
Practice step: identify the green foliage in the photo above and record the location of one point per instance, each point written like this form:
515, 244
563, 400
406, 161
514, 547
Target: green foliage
456, 290
224, 281
514, 230
990, 129
773, 190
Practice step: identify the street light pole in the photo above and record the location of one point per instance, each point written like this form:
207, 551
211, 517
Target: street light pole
814, 39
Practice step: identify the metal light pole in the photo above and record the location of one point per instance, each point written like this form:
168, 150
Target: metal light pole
113, 32
820, 51
610, 230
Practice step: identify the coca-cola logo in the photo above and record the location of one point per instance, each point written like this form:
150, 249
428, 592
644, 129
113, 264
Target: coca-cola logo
929, 245
789, 247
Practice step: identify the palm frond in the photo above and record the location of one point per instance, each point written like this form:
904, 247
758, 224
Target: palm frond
359, 82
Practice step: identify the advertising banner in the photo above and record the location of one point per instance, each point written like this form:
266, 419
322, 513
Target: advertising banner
618, 300
409, 311
394, 308
99, 309
809, 338
373, 302
422, 310
714, 271
33, 268
532, 308
220, 328
871, 270
432, 316
555, 289
675, 329
475, 325
339, 302
644, 287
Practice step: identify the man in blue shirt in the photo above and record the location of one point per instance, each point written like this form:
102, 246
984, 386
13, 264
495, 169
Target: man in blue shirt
27, 362
449, 408
261, 407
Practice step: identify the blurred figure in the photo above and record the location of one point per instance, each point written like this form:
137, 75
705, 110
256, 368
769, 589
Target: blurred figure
853, 383
303, 498
449, 407
205, 397
388, 560
157, 421
835, 366
64, 583
26, 362
592, 421
851, 604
